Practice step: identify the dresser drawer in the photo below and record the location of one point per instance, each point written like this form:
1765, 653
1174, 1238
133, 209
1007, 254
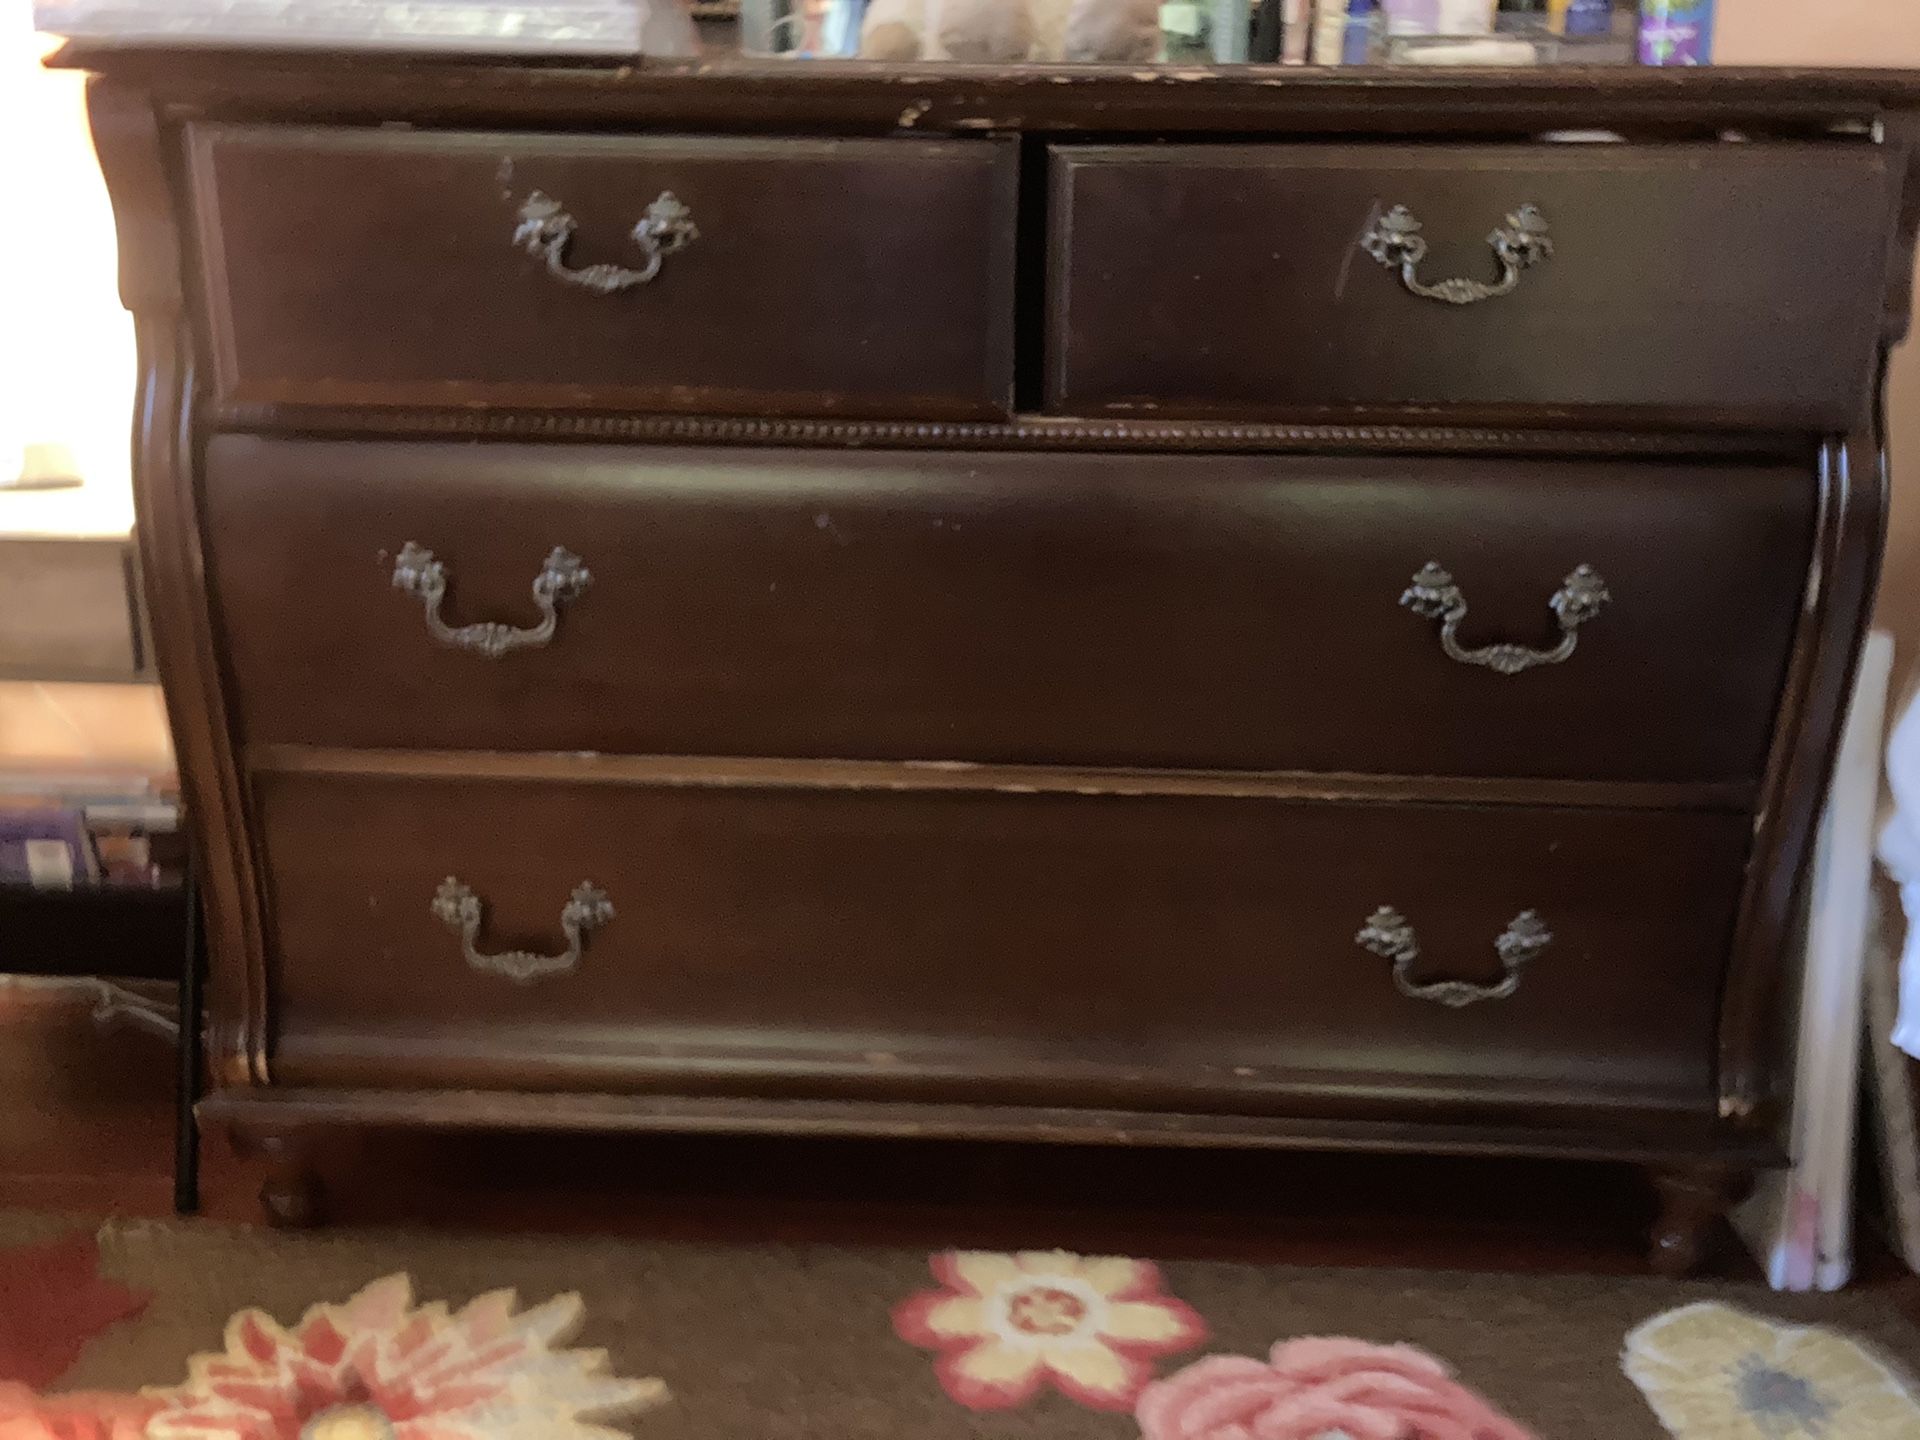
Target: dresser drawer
378, 267
1138, 950
1719, 281
1229, 612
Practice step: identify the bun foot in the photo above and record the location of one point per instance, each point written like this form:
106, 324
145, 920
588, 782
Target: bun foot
291, 1196
1693, 1202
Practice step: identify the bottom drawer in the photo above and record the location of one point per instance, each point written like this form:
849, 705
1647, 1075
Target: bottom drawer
1150, 951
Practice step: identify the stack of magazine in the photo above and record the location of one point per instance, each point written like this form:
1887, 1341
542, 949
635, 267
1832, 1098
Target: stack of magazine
110, 824
524, 27
81, 830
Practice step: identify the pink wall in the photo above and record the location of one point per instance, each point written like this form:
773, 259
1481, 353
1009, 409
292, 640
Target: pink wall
1818, 32
1856, 32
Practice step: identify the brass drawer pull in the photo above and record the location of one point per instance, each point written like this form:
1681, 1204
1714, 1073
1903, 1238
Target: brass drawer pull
1434, 595
546, 230
460, 910
1394, 239
1388, 935
563, 578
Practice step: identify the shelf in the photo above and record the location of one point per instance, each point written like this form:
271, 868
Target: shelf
123, 931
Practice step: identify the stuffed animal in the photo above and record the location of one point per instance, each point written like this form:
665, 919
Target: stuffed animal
1010, 31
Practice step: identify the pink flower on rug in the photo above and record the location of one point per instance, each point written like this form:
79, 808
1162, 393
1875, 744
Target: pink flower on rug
1312, 1388
1007, 1324
82, 1415
376, 1368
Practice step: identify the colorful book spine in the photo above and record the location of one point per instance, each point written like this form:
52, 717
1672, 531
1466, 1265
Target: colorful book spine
1329, 31
1676, 32
1412, 17
1357, 46
1296, 32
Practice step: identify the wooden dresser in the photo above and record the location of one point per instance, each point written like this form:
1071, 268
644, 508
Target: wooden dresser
1163, 608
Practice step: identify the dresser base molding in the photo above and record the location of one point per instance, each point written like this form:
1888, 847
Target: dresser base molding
285, 1112
1697, 1174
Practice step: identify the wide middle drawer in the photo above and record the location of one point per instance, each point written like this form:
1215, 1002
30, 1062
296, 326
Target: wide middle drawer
1199, 611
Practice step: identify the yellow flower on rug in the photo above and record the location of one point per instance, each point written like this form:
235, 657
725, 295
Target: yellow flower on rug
1712, 1372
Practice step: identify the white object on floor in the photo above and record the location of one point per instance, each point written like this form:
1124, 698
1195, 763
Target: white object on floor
1890, 1083
1900, 854
1799, 1222
521, 27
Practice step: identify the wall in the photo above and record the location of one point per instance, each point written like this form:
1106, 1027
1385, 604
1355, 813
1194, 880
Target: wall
1856, 32
67, 368
1818, 32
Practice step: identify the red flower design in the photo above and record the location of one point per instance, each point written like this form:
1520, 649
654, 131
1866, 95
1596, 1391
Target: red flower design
52, 1302
1007, 1324
1312, 1388
79, 1416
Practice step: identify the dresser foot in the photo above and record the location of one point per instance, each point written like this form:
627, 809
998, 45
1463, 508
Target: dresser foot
291, 1196
1693, 1201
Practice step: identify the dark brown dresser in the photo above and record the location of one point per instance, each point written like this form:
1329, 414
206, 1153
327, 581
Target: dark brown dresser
1161, 608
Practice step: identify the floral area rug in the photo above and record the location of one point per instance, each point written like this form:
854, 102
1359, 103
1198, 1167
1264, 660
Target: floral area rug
163, 1331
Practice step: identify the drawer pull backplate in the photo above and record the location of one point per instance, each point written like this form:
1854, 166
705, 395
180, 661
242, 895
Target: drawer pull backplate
1388, 935
1434, 595
563, 578
460, 910
1394, 239
546, 230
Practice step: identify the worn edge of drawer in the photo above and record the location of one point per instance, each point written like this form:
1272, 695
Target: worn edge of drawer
1257, 152
756, 773
289, 1109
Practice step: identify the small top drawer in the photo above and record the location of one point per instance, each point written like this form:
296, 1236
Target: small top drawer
1728, 282
377, 267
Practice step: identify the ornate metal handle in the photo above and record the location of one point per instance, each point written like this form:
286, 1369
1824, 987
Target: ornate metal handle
1388, 935
546, 230
460, 910
1434, 595
1394, 239
563, 578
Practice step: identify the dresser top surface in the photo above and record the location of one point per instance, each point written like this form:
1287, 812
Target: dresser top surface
862, 95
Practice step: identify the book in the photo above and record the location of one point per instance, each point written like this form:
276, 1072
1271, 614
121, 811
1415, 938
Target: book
65, 831
45, 847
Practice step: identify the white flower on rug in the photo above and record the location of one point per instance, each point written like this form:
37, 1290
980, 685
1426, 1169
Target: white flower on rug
376, 1368
1007, 1324
1712, 1372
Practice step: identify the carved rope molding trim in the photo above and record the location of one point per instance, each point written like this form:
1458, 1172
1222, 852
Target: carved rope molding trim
1026, 434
